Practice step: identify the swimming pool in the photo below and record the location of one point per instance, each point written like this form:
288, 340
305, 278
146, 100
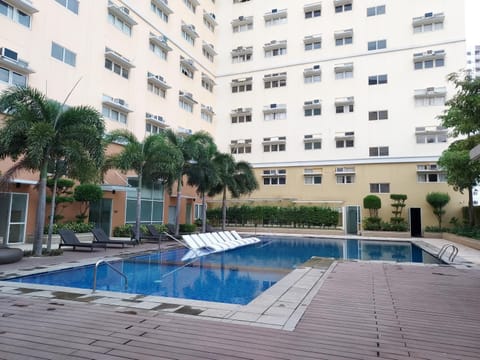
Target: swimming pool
237, 276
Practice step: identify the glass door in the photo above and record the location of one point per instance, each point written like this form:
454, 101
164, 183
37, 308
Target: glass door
13, 217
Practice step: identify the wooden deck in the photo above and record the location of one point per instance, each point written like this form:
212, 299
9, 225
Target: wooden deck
362, 311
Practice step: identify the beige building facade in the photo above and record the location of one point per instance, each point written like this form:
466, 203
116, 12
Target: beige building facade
329, 101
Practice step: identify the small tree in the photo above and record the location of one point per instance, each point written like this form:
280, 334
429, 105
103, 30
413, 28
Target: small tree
372, 203
86, 193
437, 201
398, 205
63, 195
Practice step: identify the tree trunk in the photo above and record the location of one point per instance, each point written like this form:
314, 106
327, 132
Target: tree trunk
177, 208
138, 210
204, 213
41, 207
224, 209
52, 214
471, 214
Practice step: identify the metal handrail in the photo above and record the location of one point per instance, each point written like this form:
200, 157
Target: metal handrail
444, 249
94, 287
174, 238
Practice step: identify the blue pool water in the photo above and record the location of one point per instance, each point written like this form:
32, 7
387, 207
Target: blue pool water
236, 276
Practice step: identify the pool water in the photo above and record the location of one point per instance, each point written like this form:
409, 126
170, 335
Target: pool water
236, 276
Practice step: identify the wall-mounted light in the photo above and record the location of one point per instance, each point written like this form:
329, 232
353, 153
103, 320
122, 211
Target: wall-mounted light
114, 191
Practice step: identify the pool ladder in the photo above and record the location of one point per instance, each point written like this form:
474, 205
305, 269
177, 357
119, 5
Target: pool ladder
444, 249
104, 261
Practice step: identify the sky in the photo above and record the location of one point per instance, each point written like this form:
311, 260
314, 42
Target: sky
472, 23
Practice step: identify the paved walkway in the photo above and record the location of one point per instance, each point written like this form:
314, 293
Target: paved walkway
353, 310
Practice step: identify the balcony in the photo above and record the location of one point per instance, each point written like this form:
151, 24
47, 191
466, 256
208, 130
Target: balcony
116, 103
118, 59
157, 80
163, 5
10, 60
24, 5
161, 41
121, 12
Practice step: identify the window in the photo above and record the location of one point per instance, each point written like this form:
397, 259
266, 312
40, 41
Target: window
156, 84
241, 85
345, 175
275, 80
343, 37
241, 115
378, 151
152, 128
154, 123
381, 188
274, 144
160, 7
187, 67
431, 134
378, 115
185, 101
12, 78
275, 17
312, 75
275, 112
191, 4
431, 96
243, 146
312, 176
345, 140
344, 105
17, 15
121, 19
243, 23
117, 63
312, 42
431, 173
151, 202
207, 82
274, 177
312, 142
242, 54
63, 54
377, 45
312, 10
343, 71
275, 48
71, 5
209, 21
342, 6
207, 113
189, 33
114, 114
312, 108
428, 22
208, 51
377, 79
376, 10
429, 59
158, 50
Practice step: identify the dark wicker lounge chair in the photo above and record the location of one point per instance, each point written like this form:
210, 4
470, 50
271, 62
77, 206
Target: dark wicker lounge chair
154, 232
143, 236
102, 238
68, 238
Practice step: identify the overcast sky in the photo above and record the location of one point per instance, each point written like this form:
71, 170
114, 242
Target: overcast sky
472, 23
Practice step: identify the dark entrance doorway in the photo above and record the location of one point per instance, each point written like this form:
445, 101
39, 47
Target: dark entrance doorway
416, 222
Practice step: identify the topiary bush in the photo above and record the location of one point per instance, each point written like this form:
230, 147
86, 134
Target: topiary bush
372, 203
188, 228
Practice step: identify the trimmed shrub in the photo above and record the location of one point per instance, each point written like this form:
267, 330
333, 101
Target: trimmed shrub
74, 226
372, 203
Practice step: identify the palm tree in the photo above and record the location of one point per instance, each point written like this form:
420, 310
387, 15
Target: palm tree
202, 174
39, 131
236, 177
154, 159
190, 146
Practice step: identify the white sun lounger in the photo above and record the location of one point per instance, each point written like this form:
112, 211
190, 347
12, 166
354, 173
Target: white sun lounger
196, 244
209, 242
253, 239
241, 240
211, 239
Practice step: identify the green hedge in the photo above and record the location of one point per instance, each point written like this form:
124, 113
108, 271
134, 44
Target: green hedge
76, 227
294, 216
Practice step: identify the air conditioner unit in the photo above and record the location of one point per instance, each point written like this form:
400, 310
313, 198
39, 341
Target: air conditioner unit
158, 118
125, 10
212, 15
119, 101
316, 67
241, 18
430, 89
429, 14
8, 53
349, 133
158, 77
148, 116
273, 106
316, 101
429, 52
239, 109
274, 11
307, 103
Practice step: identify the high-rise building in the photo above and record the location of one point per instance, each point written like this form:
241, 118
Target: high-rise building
329, 101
